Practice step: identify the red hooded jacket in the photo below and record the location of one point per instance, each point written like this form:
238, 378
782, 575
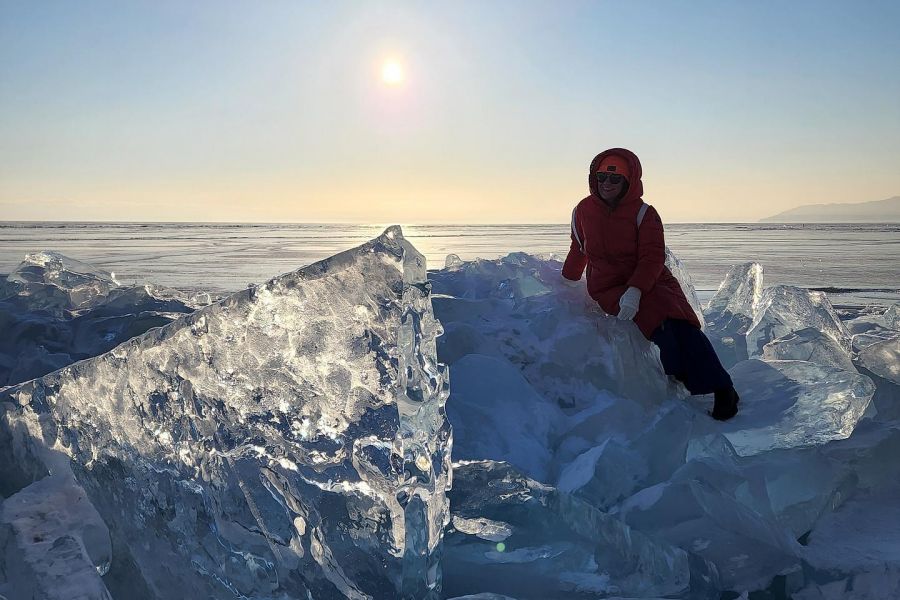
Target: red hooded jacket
618, 254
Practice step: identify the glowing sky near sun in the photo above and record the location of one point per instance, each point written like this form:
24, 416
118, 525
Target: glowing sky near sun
425, 112
392, 72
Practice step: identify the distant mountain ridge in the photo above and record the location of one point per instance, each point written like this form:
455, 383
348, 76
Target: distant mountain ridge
878, 211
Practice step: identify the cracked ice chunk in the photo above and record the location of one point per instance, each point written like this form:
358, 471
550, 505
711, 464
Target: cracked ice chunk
785, 309
614, 469
497, 415
891, 317
287, 441
453, 261
51, 282
692, 513
731, 310
559, 546
565, 347
677, 268
738, 294
855, 550
486, 529
57, 282
792, 403
883, 359
869, 326
810, 345
58, 547
512, 277
59, 270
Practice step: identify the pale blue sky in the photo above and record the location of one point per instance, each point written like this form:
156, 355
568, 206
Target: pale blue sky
275, 111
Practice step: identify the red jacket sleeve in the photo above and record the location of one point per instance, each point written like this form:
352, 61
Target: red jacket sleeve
651, 252
576, 260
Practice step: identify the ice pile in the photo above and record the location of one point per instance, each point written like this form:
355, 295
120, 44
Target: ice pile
55, 310
290, 441
566, 403
515, 536
287, 441
57, 283
799, 385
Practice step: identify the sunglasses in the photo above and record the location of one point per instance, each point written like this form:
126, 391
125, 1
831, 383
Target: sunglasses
614, 178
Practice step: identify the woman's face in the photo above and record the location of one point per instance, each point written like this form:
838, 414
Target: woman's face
610, 191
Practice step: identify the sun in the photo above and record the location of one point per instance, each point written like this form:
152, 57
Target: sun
392, 72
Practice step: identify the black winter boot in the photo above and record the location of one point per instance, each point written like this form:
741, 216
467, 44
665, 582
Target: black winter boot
726, 404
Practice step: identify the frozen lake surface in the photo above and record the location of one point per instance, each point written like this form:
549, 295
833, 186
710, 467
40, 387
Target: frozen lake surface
854, 263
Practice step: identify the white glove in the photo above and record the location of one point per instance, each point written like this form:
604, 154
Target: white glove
628, 303
571, 283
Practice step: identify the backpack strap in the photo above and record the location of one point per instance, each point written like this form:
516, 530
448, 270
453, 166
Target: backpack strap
640, 215
640, 219
575, 231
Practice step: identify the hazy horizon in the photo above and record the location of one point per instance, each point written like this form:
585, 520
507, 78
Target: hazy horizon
383, 112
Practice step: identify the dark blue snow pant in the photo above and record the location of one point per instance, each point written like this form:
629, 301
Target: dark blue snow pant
688, 356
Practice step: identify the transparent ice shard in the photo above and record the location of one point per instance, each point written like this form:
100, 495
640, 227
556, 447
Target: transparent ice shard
794, 403
513, 277
871, 326
57, 283
486, 529
53, 268
739, 293
861, 537
287, 441
810, 345
677, 268
786, 309
52, 282
891, 317
730, 312
883, 359
453, 261
615, 467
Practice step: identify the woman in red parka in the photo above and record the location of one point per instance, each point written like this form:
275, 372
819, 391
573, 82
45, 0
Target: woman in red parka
620, 240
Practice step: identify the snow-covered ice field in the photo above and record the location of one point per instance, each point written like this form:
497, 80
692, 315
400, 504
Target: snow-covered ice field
294, 439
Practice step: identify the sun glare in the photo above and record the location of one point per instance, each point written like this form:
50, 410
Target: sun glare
392, 73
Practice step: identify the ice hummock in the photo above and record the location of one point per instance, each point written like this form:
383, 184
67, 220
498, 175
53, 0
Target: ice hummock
52, 282
289, 440
799, 386
577, 402
577, 406
82, 282
56, 310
